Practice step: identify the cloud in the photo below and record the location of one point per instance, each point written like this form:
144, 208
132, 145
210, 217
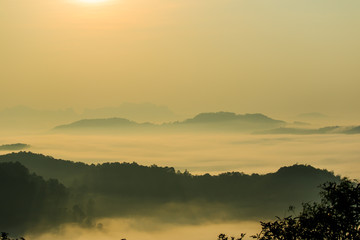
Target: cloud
148, 229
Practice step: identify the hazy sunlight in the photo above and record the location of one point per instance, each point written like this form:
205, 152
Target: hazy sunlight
179, 119
92, 1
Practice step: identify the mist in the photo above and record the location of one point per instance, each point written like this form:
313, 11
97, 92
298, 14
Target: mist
204, 153
148, 229
186, 88
198, 153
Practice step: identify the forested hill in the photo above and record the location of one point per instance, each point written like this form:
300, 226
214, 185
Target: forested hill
117, 186
28, 202
48, 167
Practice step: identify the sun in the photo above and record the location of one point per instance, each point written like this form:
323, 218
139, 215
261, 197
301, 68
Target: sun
92, 1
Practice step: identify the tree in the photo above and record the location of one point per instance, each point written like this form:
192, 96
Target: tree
337, 216
5, 236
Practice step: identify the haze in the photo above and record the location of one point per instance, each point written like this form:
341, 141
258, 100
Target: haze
205, 86
280, 57
204, 153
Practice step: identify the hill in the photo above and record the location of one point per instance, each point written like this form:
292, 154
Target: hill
354, 130
29, 202
307, 131
219, 121
120, 189
14, 147
230, 116
106, 125
99, 123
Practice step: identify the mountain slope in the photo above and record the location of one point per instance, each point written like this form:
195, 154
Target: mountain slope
129, 188
28, 202
220, 121
230, 116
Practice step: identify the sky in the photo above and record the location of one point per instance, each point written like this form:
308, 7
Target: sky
275, 57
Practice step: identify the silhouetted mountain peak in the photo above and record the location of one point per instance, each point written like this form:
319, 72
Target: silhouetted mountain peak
215, 117
212, 121
14, 146
300, 169
212, 117
99, 123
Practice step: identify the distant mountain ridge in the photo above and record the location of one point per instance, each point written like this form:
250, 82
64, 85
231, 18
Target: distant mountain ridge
14, 147
353, 130
107, 122
24, 117
230, 116
308, 131
219, 121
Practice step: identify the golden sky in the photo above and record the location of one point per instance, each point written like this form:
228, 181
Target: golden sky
270, 56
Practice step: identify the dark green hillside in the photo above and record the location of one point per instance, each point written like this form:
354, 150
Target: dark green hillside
28, 202
126, 188
48, 167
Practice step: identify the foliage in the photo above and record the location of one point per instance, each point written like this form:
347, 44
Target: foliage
28, 202
336, 217
33, 203
5, 236
122, 187
224, 237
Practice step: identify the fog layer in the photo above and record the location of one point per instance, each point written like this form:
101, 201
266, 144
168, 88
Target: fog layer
204, 153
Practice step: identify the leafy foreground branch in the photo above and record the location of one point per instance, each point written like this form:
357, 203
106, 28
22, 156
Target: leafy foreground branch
336, 217
5, 236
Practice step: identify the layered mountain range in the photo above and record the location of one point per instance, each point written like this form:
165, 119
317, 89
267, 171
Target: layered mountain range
205, 122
